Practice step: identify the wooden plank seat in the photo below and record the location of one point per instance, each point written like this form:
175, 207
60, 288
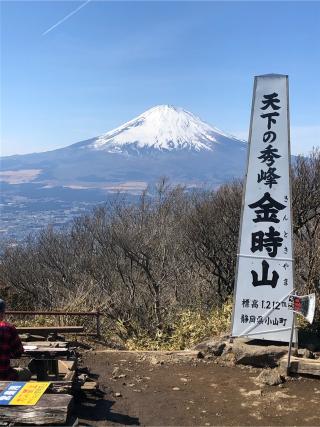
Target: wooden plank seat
301, 365
41, 352
47, 330
50, 344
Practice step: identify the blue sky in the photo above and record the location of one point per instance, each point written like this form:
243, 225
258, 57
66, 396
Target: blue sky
112, 60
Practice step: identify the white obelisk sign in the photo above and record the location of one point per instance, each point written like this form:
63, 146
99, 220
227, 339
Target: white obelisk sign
264, 278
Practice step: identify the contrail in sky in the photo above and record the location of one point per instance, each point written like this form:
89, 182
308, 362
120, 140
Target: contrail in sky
66, 17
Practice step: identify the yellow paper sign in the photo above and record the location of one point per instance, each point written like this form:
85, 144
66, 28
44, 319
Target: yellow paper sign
30, 393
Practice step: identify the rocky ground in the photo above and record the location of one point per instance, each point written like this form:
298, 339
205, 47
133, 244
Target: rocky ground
158, 389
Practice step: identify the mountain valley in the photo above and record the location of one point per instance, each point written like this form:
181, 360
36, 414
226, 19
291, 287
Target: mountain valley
164, 141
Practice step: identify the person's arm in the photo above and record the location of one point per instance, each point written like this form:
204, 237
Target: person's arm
16, 348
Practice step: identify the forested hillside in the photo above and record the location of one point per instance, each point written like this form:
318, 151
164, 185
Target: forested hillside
165, 263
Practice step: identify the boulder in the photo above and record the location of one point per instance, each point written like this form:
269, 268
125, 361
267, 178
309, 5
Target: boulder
260, 356
269, 377
214, 346
242, 351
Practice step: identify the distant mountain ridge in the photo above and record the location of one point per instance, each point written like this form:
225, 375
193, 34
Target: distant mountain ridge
163, 141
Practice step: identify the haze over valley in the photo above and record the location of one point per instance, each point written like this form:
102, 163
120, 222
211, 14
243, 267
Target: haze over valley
165, 141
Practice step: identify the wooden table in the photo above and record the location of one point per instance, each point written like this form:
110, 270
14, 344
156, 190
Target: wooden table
45, 361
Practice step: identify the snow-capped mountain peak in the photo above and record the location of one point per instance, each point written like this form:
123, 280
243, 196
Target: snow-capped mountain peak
163, 127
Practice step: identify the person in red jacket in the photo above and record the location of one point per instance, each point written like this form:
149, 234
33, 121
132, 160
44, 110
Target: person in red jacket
10, 347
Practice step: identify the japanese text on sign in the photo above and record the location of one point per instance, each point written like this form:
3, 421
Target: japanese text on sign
265, 270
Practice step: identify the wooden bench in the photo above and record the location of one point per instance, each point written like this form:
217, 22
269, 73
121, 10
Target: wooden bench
299, 365
50, 344
47, 330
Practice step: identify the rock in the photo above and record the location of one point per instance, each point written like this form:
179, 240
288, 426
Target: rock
307, 354
269, 377
261, 356
229, 359
175, 388
156, 361
118, 394
242, 351
82, 378
116, 375
115, 372
217, 349
209, 357
213, 346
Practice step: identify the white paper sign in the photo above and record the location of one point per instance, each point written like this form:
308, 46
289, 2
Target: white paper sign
265, 265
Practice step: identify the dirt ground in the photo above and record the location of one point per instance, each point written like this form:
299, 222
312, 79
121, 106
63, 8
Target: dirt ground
141, 391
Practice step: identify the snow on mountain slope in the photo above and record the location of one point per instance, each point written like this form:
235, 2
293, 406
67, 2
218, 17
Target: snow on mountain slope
163, 127
163, 141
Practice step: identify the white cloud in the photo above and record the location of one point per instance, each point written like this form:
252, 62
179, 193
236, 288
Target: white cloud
303, 138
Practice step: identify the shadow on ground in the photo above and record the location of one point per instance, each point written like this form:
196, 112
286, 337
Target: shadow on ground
99, 409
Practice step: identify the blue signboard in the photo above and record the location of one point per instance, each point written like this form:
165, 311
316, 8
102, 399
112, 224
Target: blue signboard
11, 390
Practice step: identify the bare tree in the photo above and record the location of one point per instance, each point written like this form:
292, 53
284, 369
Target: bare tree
212, 232
142, 262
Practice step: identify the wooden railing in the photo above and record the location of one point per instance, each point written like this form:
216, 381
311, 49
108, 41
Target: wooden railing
95, 314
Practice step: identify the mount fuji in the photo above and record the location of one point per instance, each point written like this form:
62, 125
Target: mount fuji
163, 141
162, 128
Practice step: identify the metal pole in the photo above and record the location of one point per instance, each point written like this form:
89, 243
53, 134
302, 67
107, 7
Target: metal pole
290, 344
